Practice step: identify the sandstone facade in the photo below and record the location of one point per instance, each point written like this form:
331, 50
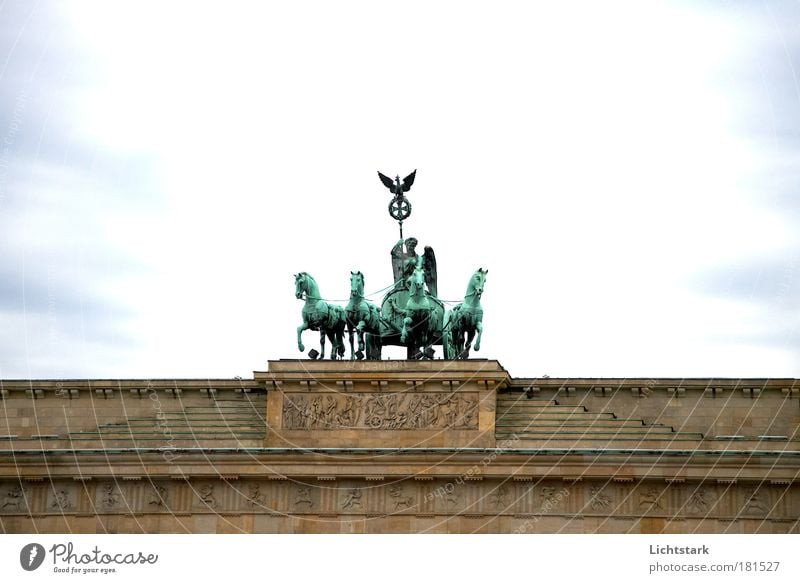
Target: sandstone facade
400, 446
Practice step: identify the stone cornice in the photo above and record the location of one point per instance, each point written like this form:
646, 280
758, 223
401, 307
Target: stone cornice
719, 386
425, 371
419, 371
39, 388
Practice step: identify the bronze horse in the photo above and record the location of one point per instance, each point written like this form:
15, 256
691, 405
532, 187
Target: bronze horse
466, 318
362, 316
317, 314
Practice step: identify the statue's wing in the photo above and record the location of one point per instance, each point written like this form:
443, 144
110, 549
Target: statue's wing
429, 263
388, 182
408, 181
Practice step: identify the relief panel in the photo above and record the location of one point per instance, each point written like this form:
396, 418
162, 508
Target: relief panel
381, 411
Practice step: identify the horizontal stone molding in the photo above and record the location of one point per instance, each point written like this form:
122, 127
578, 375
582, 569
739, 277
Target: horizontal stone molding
606, 386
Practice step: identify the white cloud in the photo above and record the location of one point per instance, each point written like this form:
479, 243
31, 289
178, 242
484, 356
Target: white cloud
583, 152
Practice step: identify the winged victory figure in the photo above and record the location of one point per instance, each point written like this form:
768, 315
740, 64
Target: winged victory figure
404, 262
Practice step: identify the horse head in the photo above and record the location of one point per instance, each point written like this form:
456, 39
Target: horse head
301, 284
416, 281
356, 284
477, 282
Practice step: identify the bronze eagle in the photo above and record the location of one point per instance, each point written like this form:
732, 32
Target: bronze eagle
395, 186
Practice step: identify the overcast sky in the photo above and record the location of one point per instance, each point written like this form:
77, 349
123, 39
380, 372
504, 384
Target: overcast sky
627, 171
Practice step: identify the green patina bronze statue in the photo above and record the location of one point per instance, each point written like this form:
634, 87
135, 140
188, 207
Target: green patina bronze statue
404, 263
422, 314
410, 314
318, 314
399, 208
362, 316
465, 318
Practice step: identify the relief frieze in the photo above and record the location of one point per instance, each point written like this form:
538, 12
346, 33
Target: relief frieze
490, 497
381, 411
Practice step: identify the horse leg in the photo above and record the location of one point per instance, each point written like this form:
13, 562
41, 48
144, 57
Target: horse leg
404, 333
373, 346
339, 336
300, 328
336, 337
322, 343
470, 336
479, 328
336, 347
462, 350
369, 346
360, 329
455, 341
450, 347
350, 331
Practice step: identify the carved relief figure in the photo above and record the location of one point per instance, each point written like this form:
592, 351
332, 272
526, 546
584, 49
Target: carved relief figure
548, 495
348, 417
255, 497
295, 414
650, 498
303, 496
61, 500
699, 501
292, 418
399, 497
158, 496
424, 412
753, 502
498, 498
599, 499
433, 411
415, 411
449, 409
14, 499
109, 498
452, 495
328, 411
315, 418
352, 499
468, 412
207, 496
